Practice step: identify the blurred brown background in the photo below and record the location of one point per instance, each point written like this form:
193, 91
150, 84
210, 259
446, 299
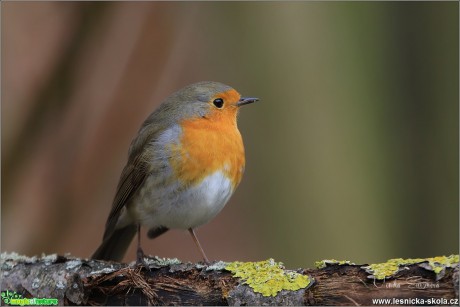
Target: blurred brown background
352, 152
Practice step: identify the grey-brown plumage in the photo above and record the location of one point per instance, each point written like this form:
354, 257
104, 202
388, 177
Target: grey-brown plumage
141, 196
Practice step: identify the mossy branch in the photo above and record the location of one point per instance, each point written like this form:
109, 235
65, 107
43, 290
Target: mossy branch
75, 281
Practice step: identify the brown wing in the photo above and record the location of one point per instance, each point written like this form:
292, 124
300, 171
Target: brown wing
131, 180
134, 174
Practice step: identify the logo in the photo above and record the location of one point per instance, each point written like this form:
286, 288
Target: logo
15, 299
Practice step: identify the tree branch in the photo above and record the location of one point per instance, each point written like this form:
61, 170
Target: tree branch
168, 282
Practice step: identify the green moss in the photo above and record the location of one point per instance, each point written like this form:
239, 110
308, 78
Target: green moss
391, 267
268, 277
324, 263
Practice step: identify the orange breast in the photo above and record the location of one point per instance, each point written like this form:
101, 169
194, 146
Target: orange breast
208, 145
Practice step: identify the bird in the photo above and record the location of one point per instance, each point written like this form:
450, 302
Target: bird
183, 166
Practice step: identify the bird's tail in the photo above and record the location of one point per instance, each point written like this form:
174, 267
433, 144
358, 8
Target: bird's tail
115, 245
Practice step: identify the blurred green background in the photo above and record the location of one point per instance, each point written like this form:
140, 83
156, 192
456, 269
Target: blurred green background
352, 152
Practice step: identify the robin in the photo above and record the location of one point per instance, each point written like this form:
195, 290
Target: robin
183, 166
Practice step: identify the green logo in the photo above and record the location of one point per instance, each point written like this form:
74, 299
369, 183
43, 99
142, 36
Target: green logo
15, 299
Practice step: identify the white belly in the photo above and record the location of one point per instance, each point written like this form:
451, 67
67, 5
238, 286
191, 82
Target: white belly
185, 209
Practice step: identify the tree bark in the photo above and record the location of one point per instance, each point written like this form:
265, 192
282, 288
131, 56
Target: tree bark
75, 281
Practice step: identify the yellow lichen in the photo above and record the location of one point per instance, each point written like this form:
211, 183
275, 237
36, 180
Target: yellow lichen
324, 263
389, 268
268, 277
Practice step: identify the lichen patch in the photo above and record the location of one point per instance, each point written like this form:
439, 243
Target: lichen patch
268, 277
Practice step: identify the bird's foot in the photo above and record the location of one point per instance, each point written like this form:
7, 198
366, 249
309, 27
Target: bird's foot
140, 261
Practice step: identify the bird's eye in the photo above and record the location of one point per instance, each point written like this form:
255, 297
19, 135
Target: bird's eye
218, 102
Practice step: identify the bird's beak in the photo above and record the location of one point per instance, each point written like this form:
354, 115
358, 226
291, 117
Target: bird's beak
246, 100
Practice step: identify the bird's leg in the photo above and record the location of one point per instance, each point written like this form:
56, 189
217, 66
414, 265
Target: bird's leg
140, 253
192, 232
